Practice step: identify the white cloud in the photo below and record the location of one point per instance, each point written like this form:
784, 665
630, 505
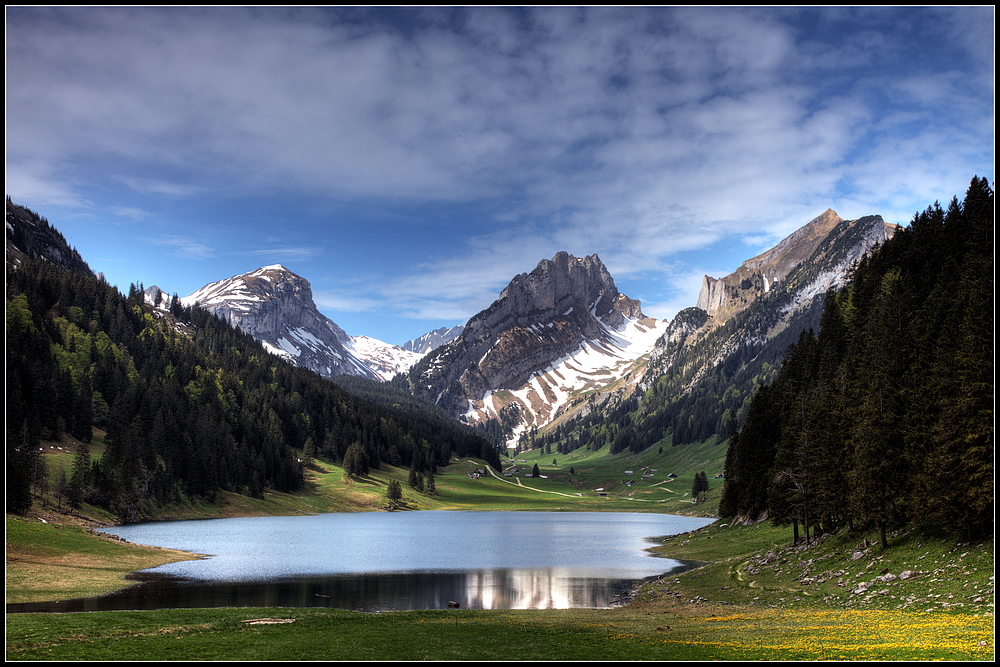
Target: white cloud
159, 186
637, 133
30, 183
131, 213
184, 246
278, 254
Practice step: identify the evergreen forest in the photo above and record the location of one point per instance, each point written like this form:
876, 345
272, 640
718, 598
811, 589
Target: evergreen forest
190, 405
884, 417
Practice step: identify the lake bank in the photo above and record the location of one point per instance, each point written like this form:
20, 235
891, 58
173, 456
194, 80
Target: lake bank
54, 561
716, 612
382, 561
751, 601
328, 489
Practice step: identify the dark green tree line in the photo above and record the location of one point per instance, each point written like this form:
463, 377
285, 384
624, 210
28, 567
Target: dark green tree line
190, 404
885, 417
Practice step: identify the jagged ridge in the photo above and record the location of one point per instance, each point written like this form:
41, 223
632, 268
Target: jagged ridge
722, 298
550, 334
276, 307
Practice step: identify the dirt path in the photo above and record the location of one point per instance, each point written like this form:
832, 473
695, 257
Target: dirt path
531, 488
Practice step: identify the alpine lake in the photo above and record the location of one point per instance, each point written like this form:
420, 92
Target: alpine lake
382, 561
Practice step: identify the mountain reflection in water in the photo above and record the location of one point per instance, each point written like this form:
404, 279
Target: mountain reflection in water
403, 560
482, 589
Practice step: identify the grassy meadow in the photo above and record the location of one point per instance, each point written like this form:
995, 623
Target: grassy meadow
758, 597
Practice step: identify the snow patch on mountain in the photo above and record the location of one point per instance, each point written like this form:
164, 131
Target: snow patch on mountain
595, 364
433, 339
385, 359
276, 307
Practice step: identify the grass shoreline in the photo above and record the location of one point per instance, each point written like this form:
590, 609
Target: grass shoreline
730, 608
756, 596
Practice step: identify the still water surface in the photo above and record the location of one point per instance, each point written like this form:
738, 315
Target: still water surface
378, 561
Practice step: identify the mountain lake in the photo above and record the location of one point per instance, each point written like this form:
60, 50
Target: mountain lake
381, 561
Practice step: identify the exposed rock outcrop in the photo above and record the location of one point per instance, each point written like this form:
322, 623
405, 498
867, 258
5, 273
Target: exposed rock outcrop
566, 308
744, 322
31, 235
276, 307
433, 339
724, 297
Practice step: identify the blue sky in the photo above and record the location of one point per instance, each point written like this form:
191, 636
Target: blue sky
409, 162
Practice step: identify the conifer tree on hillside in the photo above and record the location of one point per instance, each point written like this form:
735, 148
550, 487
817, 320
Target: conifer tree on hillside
394, 494
700, 486
885, 418
190, 405
749, 458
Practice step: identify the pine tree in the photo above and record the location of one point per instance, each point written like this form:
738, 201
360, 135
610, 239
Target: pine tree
878, 469
80, 480
700, 486
308, 451
394, 494
355, 461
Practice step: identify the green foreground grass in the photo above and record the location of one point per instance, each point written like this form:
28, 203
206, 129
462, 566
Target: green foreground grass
756, 598
582, 634
729, 609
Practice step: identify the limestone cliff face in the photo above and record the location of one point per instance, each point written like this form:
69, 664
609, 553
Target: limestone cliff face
724, 297
565, 304
765, 303
276, 307
543, 315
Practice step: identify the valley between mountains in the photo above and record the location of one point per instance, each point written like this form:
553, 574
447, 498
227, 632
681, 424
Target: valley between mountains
557, 341
241, 385
852, 469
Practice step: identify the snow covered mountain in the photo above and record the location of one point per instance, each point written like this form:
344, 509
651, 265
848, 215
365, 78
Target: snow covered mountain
385, 359
433, 339
275, 306
551, 338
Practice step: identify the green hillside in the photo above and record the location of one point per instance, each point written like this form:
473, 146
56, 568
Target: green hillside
191, 407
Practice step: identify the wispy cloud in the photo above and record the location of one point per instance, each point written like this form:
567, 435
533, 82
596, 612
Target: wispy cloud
132, 213
159, 187
637, 133
286, 253
183, 246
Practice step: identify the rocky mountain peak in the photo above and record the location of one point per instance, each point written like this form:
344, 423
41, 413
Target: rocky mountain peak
275, 306
433, 339
768, 301
265, 303
724, 297
580, 289
567, 311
